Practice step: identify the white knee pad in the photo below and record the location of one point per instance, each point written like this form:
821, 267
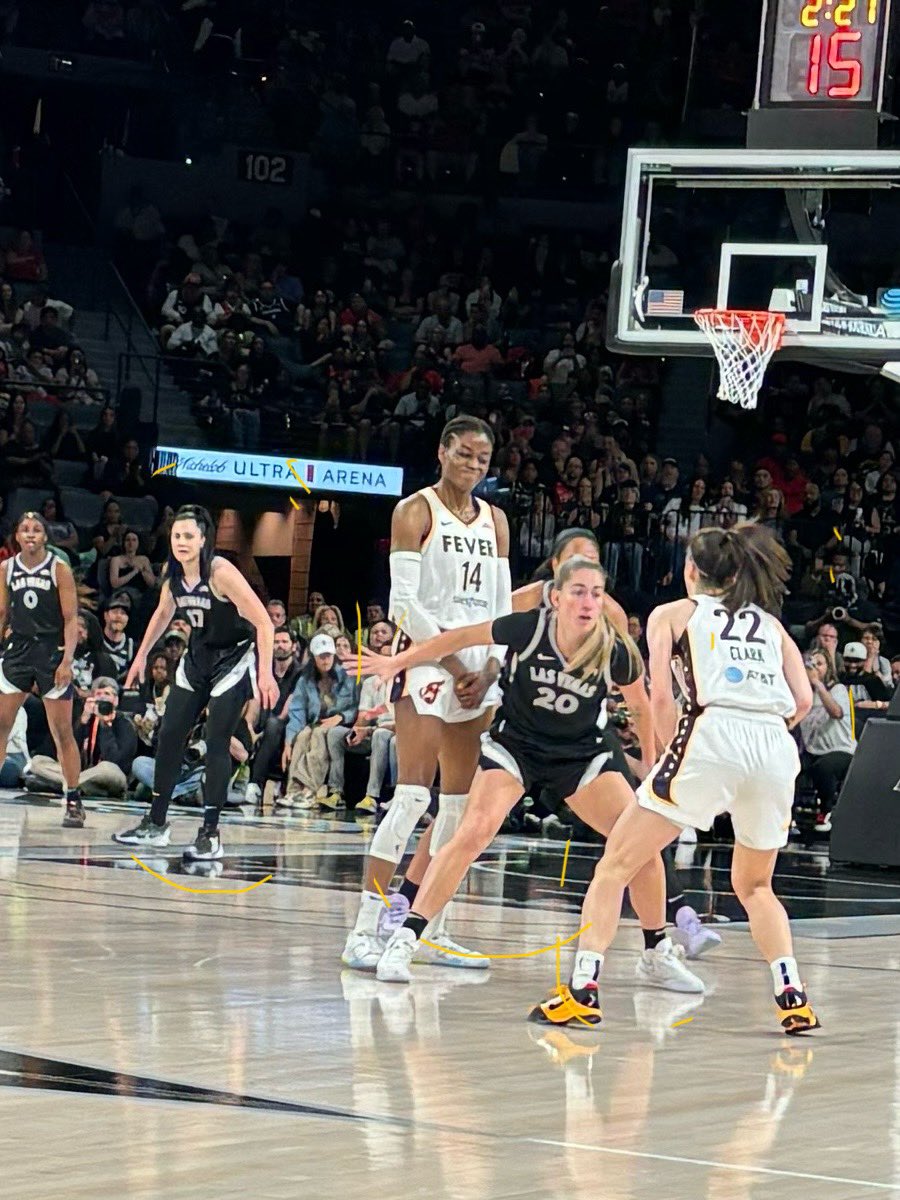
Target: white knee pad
447, 821
409, 805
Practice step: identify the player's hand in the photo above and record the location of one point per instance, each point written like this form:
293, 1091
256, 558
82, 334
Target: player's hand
268, 689
471, 688
370, 663
63, 675
135, 674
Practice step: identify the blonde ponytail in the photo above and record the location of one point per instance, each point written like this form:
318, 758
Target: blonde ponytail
596, 654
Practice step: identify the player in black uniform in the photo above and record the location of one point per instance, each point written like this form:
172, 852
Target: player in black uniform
39, 605
688, 931
218, 670
560, 664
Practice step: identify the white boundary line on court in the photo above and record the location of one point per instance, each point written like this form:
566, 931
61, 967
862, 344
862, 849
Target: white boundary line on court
703, 1162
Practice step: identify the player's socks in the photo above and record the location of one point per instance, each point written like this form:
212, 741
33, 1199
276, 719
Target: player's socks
410, 890
785, 974
370, 906
158, 810
586, 969
416, 923
652, 938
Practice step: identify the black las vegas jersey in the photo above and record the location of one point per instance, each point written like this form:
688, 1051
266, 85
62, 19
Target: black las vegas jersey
34, 610
215, 624
545, 709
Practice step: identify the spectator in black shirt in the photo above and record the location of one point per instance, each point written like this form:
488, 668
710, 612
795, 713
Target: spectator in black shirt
116, 642
812, 527
51, 338
870, 696
91, 659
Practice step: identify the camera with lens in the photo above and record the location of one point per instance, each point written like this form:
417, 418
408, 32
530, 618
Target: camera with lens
195, 753
839, 613
105, 708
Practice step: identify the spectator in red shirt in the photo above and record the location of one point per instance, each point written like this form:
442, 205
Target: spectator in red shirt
478, 357
24, 261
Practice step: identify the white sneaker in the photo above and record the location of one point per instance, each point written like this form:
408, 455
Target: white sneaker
393, 966
823, 824
303, 801
688, 836
362, 951
662, 967
253, 794
451, 954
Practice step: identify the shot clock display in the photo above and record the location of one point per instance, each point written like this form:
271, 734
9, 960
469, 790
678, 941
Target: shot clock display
825, 52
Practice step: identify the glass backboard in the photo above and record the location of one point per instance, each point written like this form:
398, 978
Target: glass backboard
813, 234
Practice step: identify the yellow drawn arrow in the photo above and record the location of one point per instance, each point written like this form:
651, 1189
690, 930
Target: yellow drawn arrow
159, 470
200, 891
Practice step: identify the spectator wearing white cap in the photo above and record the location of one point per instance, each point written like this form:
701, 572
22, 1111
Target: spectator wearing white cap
322, 708
865, 686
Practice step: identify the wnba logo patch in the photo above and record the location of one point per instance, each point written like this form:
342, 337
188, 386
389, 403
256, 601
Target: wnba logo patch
734, 674
429, 693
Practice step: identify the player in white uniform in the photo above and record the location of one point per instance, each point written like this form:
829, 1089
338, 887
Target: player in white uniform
449, 568
730, 751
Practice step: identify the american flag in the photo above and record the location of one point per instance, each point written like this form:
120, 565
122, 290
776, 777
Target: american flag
668, 303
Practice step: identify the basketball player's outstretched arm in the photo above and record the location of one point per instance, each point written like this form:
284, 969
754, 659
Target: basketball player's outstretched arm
68, 607
472, 687
231, 584
159, 622
435, 649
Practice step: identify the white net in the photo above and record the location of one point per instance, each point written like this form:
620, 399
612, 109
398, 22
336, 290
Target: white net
744, 343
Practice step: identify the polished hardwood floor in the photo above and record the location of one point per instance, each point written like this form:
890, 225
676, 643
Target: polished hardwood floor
162, 1043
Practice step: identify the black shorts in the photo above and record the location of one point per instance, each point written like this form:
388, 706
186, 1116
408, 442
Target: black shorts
557, 776
30, 661
214, 672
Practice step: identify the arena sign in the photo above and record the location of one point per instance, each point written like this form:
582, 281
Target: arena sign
264, 470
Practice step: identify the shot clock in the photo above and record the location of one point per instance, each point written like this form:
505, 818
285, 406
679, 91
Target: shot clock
824, 53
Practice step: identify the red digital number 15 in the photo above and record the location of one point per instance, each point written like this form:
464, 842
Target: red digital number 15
851, 66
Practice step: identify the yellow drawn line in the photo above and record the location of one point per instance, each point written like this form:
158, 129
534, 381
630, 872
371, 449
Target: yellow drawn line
712, 641
294, 502
852, 715
385, 899
290, 467
524, 954
831, 573
358, 644
159, 470
562, 878
837, 533
686, 1021
200, 891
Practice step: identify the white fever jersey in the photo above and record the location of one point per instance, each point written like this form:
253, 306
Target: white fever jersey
732, 660
459, 565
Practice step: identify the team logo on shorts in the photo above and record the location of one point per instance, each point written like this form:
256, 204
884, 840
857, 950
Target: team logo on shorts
734, 674
429, 693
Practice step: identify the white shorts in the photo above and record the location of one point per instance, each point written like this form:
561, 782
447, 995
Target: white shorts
430, 688
721, 761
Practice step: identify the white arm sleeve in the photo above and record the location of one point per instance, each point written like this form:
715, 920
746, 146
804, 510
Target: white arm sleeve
405, 606
502, 603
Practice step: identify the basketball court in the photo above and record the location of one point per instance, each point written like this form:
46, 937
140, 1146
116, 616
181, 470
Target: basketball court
163, 1043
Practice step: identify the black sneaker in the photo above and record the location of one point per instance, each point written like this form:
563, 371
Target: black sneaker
73, 818
206, 846
145, 834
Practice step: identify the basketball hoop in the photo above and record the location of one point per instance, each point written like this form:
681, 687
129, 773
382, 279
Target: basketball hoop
744, 343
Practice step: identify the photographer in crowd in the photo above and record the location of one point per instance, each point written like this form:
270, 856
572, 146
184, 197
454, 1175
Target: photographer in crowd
106, 742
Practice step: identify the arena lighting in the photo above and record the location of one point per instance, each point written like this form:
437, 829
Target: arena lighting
273, 471
188, 162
